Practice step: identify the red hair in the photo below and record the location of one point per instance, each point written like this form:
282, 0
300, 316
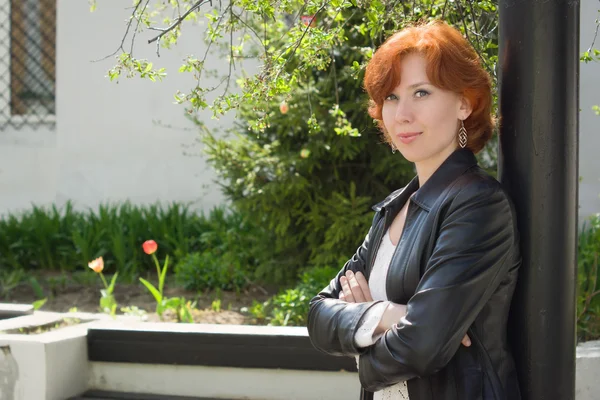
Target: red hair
452, 64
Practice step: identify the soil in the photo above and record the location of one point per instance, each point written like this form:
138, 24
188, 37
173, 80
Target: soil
65, 292
35, 330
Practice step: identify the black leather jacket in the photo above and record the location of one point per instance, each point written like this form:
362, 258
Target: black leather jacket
455, 268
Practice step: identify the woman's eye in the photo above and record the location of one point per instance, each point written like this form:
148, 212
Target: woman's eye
421, 93
391, 97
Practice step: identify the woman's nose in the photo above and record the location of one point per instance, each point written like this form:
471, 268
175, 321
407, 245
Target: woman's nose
404, 114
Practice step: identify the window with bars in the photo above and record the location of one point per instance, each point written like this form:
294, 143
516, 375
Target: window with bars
27, 63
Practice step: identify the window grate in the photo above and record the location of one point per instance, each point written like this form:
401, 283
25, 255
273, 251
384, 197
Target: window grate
27, 62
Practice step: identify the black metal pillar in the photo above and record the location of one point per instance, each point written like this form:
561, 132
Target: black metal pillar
539, 98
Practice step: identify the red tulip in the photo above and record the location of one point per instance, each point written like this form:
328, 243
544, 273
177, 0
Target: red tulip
149, 246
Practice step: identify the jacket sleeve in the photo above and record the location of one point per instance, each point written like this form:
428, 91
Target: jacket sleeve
332, 323
474, 249
365, 334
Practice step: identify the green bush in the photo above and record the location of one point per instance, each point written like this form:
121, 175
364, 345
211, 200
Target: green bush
290, 306
66, 239
233, 252
314, 171
588, 287
210, 270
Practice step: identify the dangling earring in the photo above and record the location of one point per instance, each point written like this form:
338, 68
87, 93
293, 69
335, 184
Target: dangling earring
394, 148
462, 135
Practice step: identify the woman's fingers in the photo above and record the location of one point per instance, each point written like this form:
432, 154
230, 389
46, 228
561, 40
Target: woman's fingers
346, 289
355, 288
466, 341
364, 285
357, 292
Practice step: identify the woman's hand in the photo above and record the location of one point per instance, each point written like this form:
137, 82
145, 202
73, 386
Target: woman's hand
355, 288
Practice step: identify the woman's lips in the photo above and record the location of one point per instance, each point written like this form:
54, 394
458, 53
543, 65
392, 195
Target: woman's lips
408, 137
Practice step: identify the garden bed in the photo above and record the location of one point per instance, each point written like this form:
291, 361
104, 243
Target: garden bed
48, 327
66, 292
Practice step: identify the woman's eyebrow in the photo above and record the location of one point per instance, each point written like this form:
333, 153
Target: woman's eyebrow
414, 85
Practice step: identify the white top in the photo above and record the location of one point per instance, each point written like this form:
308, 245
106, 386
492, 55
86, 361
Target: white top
364, 336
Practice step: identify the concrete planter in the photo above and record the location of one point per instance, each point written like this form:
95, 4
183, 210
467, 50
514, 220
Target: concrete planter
164, 360
121, 360
215, 362
8, 310
587, 376
46, 366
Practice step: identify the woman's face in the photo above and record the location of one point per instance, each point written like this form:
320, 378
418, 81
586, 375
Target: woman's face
421, 119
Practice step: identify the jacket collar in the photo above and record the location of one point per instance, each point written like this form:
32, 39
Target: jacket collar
454, 166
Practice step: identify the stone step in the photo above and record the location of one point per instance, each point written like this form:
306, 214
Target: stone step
104, 395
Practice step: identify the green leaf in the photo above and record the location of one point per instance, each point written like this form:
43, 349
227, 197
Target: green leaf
39, 303
163, 274
111, 286
113, 74
37, 288
157, 296
108, 304
173, 303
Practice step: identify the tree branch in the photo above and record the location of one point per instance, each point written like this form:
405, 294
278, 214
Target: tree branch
595, 35
299, 41
444, 9
251, 29
135, 8
462, 17
294, 20
137, 26
335, 81
178, 21
208, 49
231, 59
470, 2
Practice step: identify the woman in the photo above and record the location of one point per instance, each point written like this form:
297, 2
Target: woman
439, 264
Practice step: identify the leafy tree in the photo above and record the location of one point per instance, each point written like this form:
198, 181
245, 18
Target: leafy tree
304, 160
592, 54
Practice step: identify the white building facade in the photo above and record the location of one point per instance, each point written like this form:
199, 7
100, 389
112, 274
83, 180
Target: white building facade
589, 122
106, 142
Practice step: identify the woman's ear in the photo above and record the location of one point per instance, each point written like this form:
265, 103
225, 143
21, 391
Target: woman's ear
465, 109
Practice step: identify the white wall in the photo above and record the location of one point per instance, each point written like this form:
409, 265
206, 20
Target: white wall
110, 148
223, 383
589, 123
28, 168
108, 144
